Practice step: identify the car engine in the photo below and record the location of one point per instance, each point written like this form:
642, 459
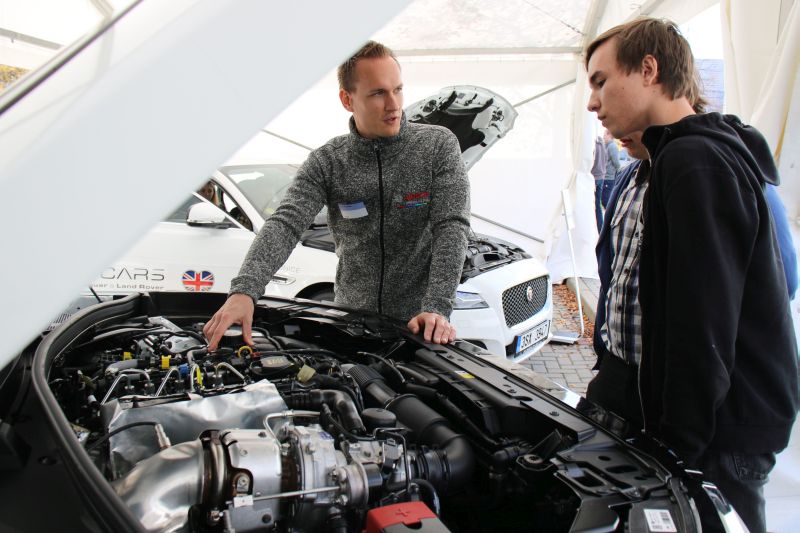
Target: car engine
329, 421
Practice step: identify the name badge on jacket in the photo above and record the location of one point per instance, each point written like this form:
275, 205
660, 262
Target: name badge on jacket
355, 210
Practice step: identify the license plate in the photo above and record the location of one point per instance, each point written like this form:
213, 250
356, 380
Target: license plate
532, 336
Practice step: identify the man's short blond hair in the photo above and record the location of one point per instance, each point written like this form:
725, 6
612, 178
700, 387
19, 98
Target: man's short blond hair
663, 40
347, 70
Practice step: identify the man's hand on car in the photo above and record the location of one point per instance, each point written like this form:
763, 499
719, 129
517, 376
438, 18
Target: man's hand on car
434, 327
238, 309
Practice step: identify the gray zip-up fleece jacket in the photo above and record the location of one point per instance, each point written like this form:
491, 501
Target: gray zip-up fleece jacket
398, 209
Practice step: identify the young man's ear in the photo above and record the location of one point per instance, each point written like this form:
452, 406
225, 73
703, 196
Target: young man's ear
650, 70
344, 96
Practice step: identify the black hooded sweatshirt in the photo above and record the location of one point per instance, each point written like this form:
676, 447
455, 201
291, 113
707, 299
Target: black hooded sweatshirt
719, 357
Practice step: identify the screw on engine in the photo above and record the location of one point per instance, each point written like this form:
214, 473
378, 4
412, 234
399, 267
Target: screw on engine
241, 482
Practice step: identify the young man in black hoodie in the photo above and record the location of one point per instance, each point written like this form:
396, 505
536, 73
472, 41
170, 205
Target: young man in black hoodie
718, 375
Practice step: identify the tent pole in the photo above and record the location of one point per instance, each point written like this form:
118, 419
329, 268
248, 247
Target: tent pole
569, 337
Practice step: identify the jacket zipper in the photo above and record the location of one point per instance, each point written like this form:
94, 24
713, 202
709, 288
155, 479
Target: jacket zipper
380, 207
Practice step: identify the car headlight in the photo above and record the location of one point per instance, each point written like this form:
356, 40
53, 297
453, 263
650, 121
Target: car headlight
469, 300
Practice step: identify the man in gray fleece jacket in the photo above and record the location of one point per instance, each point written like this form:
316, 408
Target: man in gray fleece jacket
398, 208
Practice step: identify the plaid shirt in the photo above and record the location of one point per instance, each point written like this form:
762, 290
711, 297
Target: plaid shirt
621, 332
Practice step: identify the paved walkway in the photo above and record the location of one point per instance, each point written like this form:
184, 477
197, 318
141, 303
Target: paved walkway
569, 364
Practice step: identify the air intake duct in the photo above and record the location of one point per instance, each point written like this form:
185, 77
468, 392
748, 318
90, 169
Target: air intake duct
449, 465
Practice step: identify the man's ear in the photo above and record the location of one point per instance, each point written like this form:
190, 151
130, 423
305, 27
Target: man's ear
347, 103
650, 70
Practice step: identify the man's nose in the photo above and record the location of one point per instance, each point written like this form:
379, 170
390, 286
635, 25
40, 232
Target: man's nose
392, 101
594, 103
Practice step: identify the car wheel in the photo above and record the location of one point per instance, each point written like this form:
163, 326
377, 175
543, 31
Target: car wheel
325, 294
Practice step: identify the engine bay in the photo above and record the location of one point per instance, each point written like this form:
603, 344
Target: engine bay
332, 421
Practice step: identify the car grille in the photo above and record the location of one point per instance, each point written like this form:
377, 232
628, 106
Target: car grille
516, 306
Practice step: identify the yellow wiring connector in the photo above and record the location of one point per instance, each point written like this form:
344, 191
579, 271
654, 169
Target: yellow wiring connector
305, 374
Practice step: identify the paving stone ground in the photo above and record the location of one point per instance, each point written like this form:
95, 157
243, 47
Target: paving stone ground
567, 364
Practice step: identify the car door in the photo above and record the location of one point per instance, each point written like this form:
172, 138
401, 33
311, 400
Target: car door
259, 188
178, 256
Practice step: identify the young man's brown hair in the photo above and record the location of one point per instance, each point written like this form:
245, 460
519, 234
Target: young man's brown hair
347, 70
661, 39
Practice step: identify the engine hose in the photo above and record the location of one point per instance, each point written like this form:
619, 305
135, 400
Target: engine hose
337, 401
504, 457
321, 381
336, 522
451, 463
432, 499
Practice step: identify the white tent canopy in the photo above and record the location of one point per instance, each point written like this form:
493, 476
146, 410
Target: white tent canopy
530, 52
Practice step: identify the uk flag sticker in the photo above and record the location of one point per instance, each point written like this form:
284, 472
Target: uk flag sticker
197, 281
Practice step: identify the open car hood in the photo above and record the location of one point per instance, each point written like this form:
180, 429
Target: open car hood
477, 116
335, 420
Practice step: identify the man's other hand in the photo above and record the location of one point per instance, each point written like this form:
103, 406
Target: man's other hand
434, 327
238, 309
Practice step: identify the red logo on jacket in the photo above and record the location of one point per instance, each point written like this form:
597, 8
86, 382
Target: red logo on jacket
414, 199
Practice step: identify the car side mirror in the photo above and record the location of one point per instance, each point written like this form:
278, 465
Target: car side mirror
322, 217
208, 216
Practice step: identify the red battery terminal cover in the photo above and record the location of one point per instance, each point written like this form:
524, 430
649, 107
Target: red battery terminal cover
408, 516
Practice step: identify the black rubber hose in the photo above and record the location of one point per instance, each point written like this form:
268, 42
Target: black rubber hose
418, 375
113, 432
504, 457
454, 412
336, 522
337, 401
448, 466
432, 498
373, 385
322, 381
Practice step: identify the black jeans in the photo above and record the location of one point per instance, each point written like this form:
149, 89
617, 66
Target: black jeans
741, 478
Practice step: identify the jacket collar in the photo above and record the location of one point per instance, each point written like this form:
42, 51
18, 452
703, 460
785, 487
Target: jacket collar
388, 146
726, 130
655, 138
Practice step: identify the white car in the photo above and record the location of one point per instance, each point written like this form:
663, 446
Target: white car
504, 301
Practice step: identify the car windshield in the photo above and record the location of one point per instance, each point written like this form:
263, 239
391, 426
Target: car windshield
263, 185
